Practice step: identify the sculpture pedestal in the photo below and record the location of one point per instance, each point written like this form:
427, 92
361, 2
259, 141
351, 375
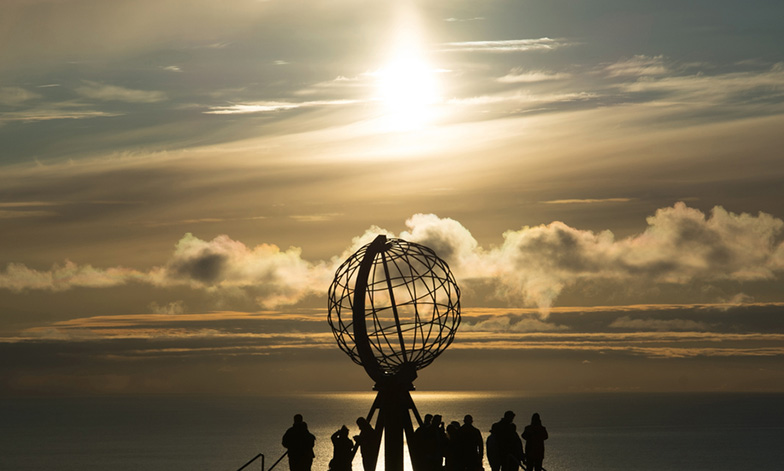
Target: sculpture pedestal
395, 406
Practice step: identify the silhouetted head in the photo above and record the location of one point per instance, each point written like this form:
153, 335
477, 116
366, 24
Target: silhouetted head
535, 419
297, 418
468, 419
343, 432
436, 420
428, 419
363, 424
509, 416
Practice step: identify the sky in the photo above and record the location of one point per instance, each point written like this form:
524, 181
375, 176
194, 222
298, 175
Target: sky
180, 180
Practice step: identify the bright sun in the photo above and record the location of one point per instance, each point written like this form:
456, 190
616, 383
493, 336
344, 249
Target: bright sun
407, 85
407, 82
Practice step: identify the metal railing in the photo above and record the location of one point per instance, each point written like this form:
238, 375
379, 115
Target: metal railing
261, 455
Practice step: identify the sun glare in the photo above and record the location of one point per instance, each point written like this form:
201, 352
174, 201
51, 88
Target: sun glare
407, 84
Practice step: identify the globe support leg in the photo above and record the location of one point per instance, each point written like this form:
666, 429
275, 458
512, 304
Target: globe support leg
395, 406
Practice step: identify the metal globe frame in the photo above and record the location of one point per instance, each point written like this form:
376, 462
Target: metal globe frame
404, 307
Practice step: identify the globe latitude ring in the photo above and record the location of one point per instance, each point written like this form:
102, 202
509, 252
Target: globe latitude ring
394, 306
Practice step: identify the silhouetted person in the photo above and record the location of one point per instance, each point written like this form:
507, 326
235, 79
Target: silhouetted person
368, 442
534, 436
435, 444
452, 451
510, 447
494, 456
299, 442
420, 443
471, 445
517, 457
342, 451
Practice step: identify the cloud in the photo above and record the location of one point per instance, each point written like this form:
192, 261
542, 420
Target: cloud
99, 91
265, 272
460, 20
519, 75
447, 237
56, 111
747, 87
174, 307
637, 66
26, 209
680, 245
512, 324
18, 277
315, 217
510, 45
16, 214
273, 276
524, 97
14, 96
588, 201
533, 265
667, 344
270, 106
660, 325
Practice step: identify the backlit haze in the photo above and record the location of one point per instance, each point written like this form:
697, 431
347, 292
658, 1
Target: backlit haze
179, 181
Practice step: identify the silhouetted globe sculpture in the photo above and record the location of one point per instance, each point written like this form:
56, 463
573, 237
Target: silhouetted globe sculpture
409, 313
394, 306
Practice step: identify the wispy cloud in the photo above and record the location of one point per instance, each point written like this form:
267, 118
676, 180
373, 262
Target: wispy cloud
637, 66
752, 87
588, 201
663, 325
647, 344
519, 75
461, 20
523, 98
509, 45
26, 209
203, 220
509, 324
315, 217
17, 214
271, 106
104, 92
14, 96
54, 112
27, 204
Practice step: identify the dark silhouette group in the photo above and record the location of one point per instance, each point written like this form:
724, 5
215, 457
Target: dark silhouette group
453, 447
505, 448
435, 447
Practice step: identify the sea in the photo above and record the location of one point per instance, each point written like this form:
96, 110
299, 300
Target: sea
601, 431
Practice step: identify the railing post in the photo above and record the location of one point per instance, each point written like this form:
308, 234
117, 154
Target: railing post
260, 455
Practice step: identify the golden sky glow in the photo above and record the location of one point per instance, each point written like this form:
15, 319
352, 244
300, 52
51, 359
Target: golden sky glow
180, 180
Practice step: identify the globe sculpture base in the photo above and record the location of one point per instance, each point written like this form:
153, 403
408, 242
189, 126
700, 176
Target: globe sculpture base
395, 408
